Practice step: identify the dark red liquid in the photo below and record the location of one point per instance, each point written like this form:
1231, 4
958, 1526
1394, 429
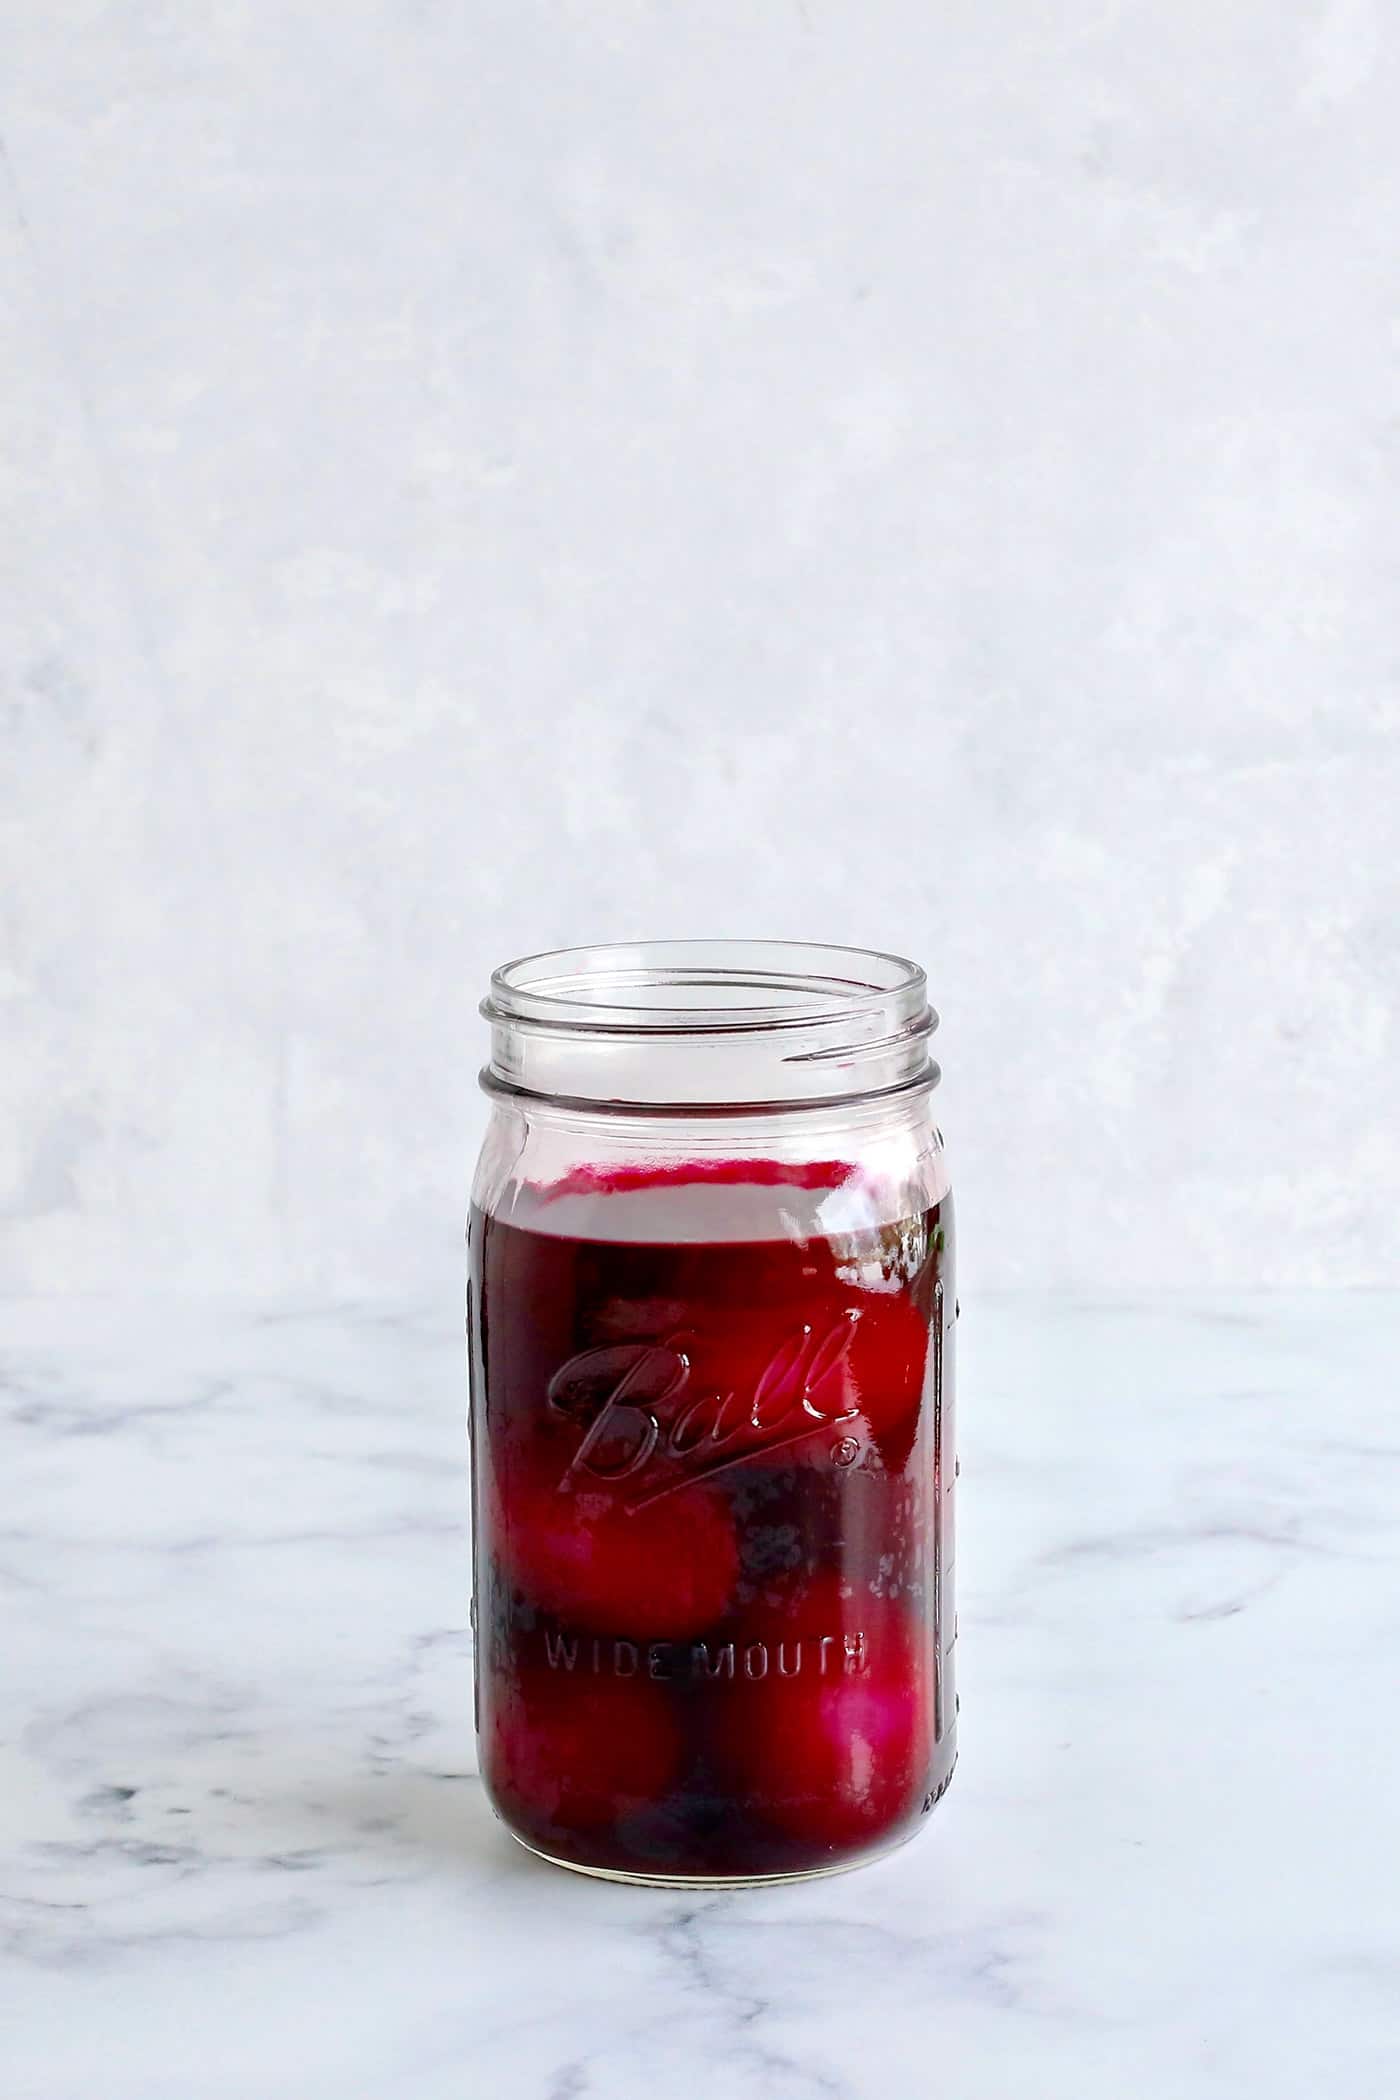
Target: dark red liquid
713, 1561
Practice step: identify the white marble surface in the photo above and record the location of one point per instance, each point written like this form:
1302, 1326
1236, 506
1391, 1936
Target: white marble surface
481, 474
245, 1856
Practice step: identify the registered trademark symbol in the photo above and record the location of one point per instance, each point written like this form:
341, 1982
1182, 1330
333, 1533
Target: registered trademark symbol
846, 1452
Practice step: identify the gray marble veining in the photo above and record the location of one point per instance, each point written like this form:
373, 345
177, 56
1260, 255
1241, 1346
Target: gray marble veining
246, 1857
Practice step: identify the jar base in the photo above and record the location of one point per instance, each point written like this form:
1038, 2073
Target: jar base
640, 1880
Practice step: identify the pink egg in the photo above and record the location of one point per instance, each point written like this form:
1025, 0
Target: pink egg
579, 1549
826, 1725
578, 1752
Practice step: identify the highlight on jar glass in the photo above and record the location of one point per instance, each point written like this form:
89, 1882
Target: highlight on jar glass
711, 1333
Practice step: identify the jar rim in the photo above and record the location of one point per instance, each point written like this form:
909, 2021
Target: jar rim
586, 990
689, 1026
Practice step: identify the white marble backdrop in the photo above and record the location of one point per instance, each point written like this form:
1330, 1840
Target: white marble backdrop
476, 474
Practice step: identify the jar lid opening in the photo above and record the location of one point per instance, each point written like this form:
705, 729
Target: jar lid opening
690, 1023
655, 985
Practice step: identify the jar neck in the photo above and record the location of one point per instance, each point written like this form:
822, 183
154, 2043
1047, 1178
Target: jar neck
710, 1029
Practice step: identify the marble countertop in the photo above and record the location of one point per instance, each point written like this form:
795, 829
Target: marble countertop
245, 1853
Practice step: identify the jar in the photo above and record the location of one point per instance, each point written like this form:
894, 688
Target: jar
711, 1335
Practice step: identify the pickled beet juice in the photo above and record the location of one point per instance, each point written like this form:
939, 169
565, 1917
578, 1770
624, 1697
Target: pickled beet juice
713, 1541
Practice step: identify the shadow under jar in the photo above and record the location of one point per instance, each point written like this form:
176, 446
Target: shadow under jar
711, 1326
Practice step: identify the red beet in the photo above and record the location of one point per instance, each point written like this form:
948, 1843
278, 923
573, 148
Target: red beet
826, 1727
579, 1752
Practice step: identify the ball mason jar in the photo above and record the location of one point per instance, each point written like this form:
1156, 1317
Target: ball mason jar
711, 1334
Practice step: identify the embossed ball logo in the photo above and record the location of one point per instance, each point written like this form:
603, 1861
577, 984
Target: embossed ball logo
644, 1426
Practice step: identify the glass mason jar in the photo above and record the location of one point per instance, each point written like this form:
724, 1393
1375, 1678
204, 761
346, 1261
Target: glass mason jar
711, 1325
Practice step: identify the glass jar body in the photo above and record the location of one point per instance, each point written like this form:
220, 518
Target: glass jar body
713, 1466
